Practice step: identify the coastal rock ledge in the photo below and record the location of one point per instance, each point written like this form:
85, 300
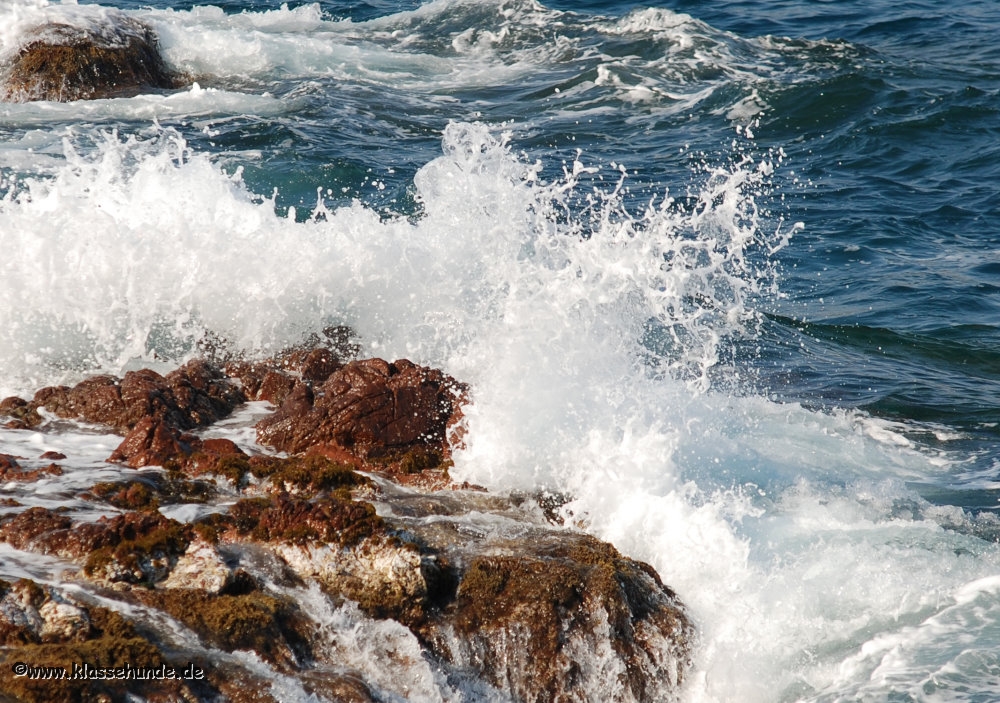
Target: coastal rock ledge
486, 591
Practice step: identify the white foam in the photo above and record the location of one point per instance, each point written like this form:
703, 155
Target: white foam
193, 101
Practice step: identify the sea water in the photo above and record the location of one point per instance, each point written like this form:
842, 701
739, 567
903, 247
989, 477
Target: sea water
726, 275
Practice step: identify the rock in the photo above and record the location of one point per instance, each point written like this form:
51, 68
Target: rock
43, 627
372, 408
284, 519
266, 624
195, 395
153, 410
201, 568
10, 470
565, 618
23, 415
63, 621
21, 530
152, 442
138, 547
275, 387
132, 495
62, 62
129, 549
383, 576
484, 588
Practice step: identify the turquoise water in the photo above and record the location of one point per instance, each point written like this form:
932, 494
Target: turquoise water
606, 244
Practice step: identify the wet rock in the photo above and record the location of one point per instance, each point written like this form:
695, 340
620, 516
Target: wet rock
152, 442
200, 568
266, 624
195, 395
44, 627
61, 62
275, 387
383, 576
132, 495
132, 548
129, 549
565, 617
153, 411
53, 456
488, 587
306, 475
310, 363
22, 530
150, 492
22, 414
328, 519
372, 408
10, 470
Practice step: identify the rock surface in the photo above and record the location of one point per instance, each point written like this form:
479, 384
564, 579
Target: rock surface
486, 588
372, 408
61, 62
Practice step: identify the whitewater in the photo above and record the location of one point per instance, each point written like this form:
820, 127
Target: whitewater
487, 188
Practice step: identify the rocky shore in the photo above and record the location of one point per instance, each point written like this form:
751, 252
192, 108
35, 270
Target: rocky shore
345, 497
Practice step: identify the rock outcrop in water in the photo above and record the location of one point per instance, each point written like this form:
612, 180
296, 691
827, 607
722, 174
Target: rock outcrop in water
373, 409
62, 62
488, 589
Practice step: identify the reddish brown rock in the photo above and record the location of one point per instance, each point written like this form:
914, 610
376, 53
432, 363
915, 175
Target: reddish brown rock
96, 399
275, 387
22, 530
44, 627
61, 62
218, 456
11, 404
133, 495
298, 521
374, 409
133, 548
152, 442
194, 395
53, 456
23, 414
10, 470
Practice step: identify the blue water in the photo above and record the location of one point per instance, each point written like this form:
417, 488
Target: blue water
882, 120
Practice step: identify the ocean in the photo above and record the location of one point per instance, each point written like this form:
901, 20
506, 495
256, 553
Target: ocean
727, 274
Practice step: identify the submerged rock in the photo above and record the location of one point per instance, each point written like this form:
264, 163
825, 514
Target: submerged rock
62, 62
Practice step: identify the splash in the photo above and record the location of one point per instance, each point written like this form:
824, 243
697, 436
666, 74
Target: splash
595, 340
120, 255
